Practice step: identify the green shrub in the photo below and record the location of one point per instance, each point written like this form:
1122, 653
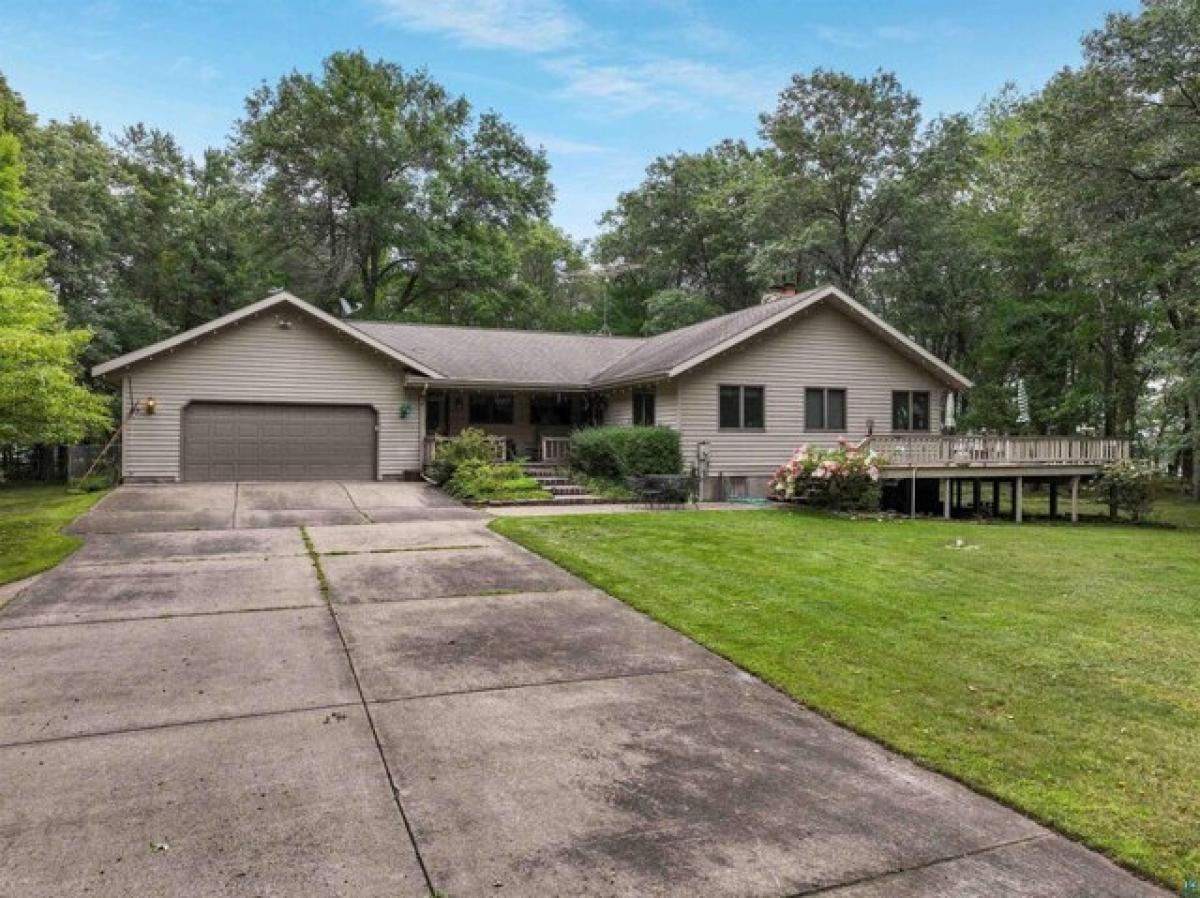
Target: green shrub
614, 453
470, 445
485, 481
842, 479
1127, 486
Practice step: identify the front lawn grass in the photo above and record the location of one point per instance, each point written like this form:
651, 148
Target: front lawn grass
1172, 504
1054, 667
31, 522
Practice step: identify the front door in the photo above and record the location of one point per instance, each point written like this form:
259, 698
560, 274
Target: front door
436, 409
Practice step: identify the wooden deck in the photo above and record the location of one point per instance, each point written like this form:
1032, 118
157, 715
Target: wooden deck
1012, 460
985, 454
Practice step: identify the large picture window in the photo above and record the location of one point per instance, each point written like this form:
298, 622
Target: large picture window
491, 408
643, 407
741, 408
910, 410
550, 409
824, 408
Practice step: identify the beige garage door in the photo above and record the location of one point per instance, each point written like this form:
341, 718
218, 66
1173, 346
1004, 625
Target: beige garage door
253, 441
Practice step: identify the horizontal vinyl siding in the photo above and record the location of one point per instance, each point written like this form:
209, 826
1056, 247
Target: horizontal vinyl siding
258, 361
666, 405
822, 348
619, 411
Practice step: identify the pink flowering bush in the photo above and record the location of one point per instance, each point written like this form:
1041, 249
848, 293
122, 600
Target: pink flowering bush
845, 478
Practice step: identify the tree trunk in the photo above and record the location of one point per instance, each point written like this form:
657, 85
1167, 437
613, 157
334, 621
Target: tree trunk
1194, 414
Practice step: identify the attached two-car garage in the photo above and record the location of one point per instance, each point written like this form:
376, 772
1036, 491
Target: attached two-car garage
277, 390
276, 441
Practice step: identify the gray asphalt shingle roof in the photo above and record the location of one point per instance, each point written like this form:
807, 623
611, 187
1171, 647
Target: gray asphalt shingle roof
504, 356
537, 357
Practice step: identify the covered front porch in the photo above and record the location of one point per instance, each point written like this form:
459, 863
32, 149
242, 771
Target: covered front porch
534, 425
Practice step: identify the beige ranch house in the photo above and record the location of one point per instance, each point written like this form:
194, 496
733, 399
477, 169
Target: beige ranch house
280, 390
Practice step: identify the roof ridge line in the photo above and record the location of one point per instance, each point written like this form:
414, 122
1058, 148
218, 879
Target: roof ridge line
492, 330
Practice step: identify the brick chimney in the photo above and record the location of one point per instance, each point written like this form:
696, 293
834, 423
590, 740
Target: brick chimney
779, 291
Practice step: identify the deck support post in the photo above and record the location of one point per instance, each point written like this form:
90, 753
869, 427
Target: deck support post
1075, 499
948, 485
975, 495
995, 498
1053, 499
912, 495
1018, 491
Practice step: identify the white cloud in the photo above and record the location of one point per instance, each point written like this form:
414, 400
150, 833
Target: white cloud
563, 146
840, 37
535, 26
601, 74
881, 34
673, 83
188, 67
898, 33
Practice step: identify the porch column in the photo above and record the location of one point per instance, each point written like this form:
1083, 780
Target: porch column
1053, 499
1018, 491
1075, 499
948, 485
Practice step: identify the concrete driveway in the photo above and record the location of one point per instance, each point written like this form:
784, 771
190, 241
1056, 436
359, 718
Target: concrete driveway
190, 706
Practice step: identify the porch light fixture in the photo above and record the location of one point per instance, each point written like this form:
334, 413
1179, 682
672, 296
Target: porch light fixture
149, 405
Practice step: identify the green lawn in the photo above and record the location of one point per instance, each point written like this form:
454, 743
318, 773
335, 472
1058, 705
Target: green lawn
31, 518
1055, 667
1171, 504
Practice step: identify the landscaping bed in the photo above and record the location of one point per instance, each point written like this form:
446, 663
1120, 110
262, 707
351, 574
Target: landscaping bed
1055, 668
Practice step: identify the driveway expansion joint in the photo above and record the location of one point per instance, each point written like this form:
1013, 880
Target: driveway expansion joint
350, 497
160, 616
606, 678
362, 700
148, 728
936, 862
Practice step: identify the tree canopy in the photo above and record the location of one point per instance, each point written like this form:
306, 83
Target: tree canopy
383, 189
41, 400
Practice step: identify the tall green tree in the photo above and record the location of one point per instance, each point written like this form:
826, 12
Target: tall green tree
41, 400
384, 189
687, 227
849, 154
1115, 148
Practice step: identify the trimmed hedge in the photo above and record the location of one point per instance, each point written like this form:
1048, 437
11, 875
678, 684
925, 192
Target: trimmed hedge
614, 453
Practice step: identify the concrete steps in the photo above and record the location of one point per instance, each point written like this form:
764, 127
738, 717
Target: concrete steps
556, 482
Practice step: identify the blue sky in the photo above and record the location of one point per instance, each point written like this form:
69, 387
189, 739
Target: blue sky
605, 86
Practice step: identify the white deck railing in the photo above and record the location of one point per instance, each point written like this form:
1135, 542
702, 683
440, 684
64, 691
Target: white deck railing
986, 451
555, 450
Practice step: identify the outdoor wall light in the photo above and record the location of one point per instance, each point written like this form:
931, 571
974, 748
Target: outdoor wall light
149, 404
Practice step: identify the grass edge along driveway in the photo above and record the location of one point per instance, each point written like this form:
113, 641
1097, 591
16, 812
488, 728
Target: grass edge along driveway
31, 522
1055, 668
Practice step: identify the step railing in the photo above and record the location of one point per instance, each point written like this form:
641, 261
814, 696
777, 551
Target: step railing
556, 450
968, 449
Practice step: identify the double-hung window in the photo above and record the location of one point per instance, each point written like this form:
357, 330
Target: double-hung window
741, 408
910, 410
824, 408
